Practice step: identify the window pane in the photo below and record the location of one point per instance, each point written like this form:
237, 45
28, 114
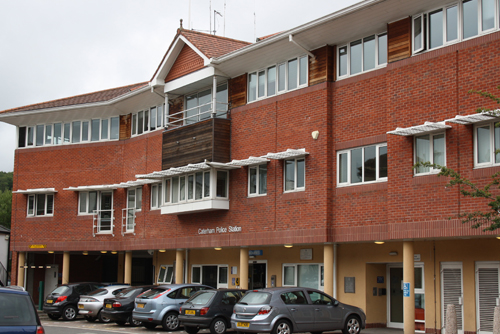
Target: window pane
75, 134
30, 135
289, 275
95, 130
253, 180
57, 134
436, 29
140, 122
198, 192
356, 165
382, 162
83, 202
50, 204
497, 144
252, 87
451, 23
292, 74
161, 274
182, 188
92, 201
369, 53
152, 119
470, 18
281, 77
417, 33
146, 120
303, 70
159, 192
221, 98
131, 199
67, 131
301, 173
85, 131
154, 196
159, 116
40, 204
343, 61
342, 168
439, 150
223, 275
289, 175
48, 134
488, 14
205, 100
382, 49
206, 185
483, 144
168, 277
422, 152
190, 186
134, 124
115, 127
221, 184
138, 200
262, 179
167, 191
191, 109
308, 276
262, 84
31, 205
356, 48
271, 81
370, 163
418, 278
196, 278
39, 135
104, 129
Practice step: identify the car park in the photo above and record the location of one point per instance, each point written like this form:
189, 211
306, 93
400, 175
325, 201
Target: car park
18, 313
119, 308
160, 305
209, 309
90, 305
288, 310
63, 300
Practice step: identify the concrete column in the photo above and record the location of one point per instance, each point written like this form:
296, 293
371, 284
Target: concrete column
119, 274
127, 279
179, 266
65, 268
409, 277
244, 268
21, 260
328, 268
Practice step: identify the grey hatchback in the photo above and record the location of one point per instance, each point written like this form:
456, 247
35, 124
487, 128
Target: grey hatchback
287, 310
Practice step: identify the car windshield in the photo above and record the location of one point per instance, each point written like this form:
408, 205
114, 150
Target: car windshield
16, 310
128, 292
201, 298
98, 292
60, 290
256, 298
153, 293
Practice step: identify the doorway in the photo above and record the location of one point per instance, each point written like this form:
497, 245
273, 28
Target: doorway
51, 279
257, 275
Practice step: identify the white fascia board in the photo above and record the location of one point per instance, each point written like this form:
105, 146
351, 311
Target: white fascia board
35, 191
190, 78
194, 207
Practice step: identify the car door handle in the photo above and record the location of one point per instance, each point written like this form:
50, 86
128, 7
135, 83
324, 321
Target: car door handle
317, 309
293, 309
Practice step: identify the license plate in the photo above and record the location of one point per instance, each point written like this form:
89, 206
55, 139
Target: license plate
140, 305
191, 312
49, 301
80, 306
243, 324
109, 306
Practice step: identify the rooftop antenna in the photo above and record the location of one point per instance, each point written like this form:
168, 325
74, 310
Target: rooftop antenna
224, 31
254, 23
189, 16
216, 12
210, 15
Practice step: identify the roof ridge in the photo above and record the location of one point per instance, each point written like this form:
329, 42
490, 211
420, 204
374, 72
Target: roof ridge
214, 36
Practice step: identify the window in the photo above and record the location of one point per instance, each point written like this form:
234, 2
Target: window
144, 121
295, 174
362, 55
362, 165
257, 180
156, 196
41, 205
134, 198
430, 148
199, 104
191, 187
166, 274
486, 144
91, 201
290, 75
458, 21
303, 275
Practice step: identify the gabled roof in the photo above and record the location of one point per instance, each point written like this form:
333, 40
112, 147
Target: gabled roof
99, 96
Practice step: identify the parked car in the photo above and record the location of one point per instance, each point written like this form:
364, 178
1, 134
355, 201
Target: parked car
209, 309
288, 310
161, 304
91, 304
18, 313
119, 308
63, 300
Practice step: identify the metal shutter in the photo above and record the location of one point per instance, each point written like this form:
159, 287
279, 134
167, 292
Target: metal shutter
451, 280
487, 280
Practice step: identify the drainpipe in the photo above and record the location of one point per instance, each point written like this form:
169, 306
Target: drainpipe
186, 259
335, 271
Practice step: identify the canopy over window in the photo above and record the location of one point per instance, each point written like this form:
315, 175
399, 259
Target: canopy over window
35, 191
288, 154
420, 129
475, 118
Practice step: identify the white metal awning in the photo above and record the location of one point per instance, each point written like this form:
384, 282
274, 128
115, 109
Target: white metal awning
137, 183
191, 168
475, 118
94, 188
35, 191
420, 129
289, 153
248, 162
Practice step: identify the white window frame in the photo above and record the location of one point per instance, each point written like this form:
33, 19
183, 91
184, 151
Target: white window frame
35, 202
156, 195
432, 170
201, 273
348, 46
138, 204
257, 181
134, 127
219, 266
163, 281
217, 102
377, 165
296, 274
98, 198
492, 162
295, 187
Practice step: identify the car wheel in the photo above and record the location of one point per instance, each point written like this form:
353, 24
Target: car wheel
352, 325
282, 327
90, 319
149, 325
191, 330
69, 312
132, 322
103, 318
53, 316
218, 326
170, 322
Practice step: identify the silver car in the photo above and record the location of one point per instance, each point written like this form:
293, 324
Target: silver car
288, 310
90, 305
161, 305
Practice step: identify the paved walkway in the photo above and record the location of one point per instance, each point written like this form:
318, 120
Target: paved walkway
382, 331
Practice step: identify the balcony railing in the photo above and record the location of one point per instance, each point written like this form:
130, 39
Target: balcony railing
128, 221
198, 113
103, 222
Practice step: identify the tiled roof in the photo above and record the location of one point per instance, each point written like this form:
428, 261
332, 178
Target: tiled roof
100, 96
4, 229
212, 45
267, 36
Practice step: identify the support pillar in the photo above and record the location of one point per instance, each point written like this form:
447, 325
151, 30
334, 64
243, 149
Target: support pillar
214, 97
65, 268
21, 261
121, 260
328, 268
127, 279
409, 277
179, 268
243, 268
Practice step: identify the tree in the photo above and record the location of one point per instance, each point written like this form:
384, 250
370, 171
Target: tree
5, 207
489, 219
6, 179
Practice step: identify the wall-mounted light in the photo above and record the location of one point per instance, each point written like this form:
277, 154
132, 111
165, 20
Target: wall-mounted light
393, 253
50, 252
218, 248
104, 252
498, 237
315, 134
379, 242
114, 252
85, 253
288, 245
162, 250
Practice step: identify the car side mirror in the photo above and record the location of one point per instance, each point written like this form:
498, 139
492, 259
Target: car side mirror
336, 303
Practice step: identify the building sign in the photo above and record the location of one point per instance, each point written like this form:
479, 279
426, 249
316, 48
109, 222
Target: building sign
38, 246
257, 252
229, 229
406, 289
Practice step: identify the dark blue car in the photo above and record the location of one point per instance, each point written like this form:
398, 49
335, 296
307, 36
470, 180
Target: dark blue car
18, 313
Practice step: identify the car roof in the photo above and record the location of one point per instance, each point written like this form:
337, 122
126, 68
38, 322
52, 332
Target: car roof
282, 289
13, 290
183, 285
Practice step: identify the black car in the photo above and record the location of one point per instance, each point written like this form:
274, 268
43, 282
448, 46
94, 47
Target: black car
63, 301
209, 309
119, 309
17, 312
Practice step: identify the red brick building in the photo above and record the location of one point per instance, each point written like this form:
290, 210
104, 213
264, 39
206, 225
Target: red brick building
283, 162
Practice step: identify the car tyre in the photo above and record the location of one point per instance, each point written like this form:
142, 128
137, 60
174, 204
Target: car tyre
103, 318
149, 325
90, 319
132, 322
53, 316
282, 327
352, 325
69, 313
191, 330
170, 321
218, 326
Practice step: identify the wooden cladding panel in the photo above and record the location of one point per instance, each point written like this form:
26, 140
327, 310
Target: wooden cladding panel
125, 126
194, 143
399, 40
238, 91
321, 68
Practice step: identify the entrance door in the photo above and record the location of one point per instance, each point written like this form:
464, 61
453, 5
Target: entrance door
209, 276
50, 279
452, 291
257, 275
487, 294
395, 297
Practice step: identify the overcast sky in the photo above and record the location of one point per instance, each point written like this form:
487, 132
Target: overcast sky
58, 48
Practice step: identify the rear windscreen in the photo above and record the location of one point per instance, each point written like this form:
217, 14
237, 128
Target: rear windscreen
60, 290
152, 293
255, 298
98, 292
201, 298
16, 310
129, 292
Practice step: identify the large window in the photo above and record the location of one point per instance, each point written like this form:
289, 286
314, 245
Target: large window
148, 120
362, 55
295, 174
257, 180
156, 196
166, 274
430, 148
362, 165
99, 204
457, 21
277, 79
303, 275
199, 104
486, 145
41, 205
